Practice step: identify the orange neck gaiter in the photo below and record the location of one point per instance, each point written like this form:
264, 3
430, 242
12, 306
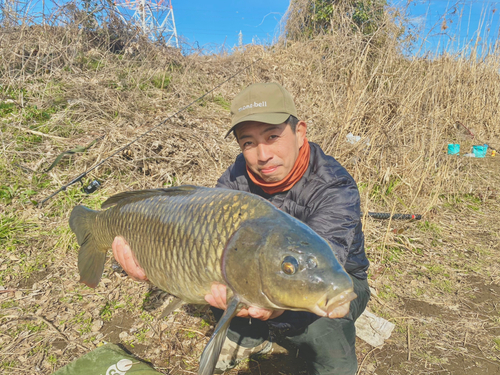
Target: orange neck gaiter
298, 170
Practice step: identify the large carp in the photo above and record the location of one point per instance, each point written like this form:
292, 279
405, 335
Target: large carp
187, 238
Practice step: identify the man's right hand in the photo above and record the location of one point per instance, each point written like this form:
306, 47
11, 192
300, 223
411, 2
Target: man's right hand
126, 259
217, 298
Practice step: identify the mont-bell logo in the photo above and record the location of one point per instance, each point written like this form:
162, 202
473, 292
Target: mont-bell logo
253, 105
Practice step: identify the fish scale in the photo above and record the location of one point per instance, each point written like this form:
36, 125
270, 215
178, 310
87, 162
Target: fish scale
206, 241
184, 235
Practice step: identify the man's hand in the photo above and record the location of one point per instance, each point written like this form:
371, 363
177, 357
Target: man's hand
124, 256
218, 299
340, 311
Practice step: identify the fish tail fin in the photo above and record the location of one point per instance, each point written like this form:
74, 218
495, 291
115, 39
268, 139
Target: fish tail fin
91, 257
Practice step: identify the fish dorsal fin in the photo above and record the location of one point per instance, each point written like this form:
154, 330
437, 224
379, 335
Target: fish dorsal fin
137, 195
210, 355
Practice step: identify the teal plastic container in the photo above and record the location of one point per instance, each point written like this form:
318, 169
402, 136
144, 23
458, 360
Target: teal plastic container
453, 149
479, 151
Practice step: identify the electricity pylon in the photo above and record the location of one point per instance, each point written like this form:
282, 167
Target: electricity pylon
154, 17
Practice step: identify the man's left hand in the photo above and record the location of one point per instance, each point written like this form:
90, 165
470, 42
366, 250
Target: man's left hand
217, 298
340, 311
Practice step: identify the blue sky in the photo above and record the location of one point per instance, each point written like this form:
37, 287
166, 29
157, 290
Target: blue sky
219, 22
453, 25
445, 25
213, 25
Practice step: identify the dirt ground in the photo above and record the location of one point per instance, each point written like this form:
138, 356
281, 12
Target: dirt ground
437, 279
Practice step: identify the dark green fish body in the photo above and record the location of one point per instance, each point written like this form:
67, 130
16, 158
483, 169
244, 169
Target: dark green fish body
186, 238
178, 239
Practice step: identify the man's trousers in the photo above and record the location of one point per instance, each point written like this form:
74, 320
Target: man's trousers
327, 345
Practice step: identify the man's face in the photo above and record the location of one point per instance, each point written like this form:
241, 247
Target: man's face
270, 151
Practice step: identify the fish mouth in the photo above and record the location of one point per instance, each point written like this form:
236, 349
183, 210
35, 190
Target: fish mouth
326, 304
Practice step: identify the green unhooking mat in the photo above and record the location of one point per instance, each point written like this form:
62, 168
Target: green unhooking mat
108, 359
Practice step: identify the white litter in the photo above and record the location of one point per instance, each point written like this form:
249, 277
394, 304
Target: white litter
373, 329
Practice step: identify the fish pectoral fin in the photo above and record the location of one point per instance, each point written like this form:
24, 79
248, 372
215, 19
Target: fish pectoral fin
211, 353
138, 195
172, 306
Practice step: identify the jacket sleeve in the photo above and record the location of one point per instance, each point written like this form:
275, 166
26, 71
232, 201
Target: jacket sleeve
229, 179
224, 181
335, 216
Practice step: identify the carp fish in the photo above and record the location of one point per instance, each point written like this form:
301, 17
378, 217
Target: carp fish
186, 238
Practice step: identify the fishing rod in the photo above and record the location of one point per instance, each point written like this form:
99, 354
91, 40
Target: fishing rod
95, 183
385, 216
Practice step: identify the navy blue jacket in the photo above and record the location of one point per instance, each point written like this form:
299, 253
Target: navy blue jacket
326, 198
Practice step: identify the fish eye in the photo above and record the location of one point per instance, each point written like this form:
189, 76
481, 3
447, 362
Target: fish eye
290, 265
311, 262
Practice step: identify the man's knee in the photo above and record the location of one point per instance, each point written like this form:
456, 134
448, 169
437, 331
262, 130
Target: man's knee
358, 305
328, 346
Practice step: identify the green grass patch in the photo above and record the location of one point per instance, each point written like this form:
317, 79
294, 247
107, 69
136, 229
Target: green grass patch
161, 81
12, 92
19, 189
32, 327
108, 309
435, 269
444, 285
27, 140
146, 317
393, 254
52, 359
362, 186
392, 185
386, 293
65, 201
66, 240
8, 364
8, 304
91, 63
190, 334
12, 231
140, 335
469, 200
33, 114
85, 324
427, 226
224, 103
7, 108
380, 191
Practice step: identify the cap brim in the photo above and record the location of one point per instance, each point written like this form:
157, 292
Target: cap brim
266, 118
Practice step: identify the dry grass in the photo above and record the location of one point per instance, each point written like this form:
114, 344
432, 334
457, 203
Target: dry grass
437, 279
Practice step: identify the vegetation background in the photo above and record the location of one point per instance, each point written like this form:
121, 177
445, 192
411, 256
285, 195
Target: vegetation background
86, 75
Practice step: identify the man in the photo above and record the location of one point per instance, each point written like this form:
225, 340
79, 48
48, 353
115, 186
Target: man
278, 163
